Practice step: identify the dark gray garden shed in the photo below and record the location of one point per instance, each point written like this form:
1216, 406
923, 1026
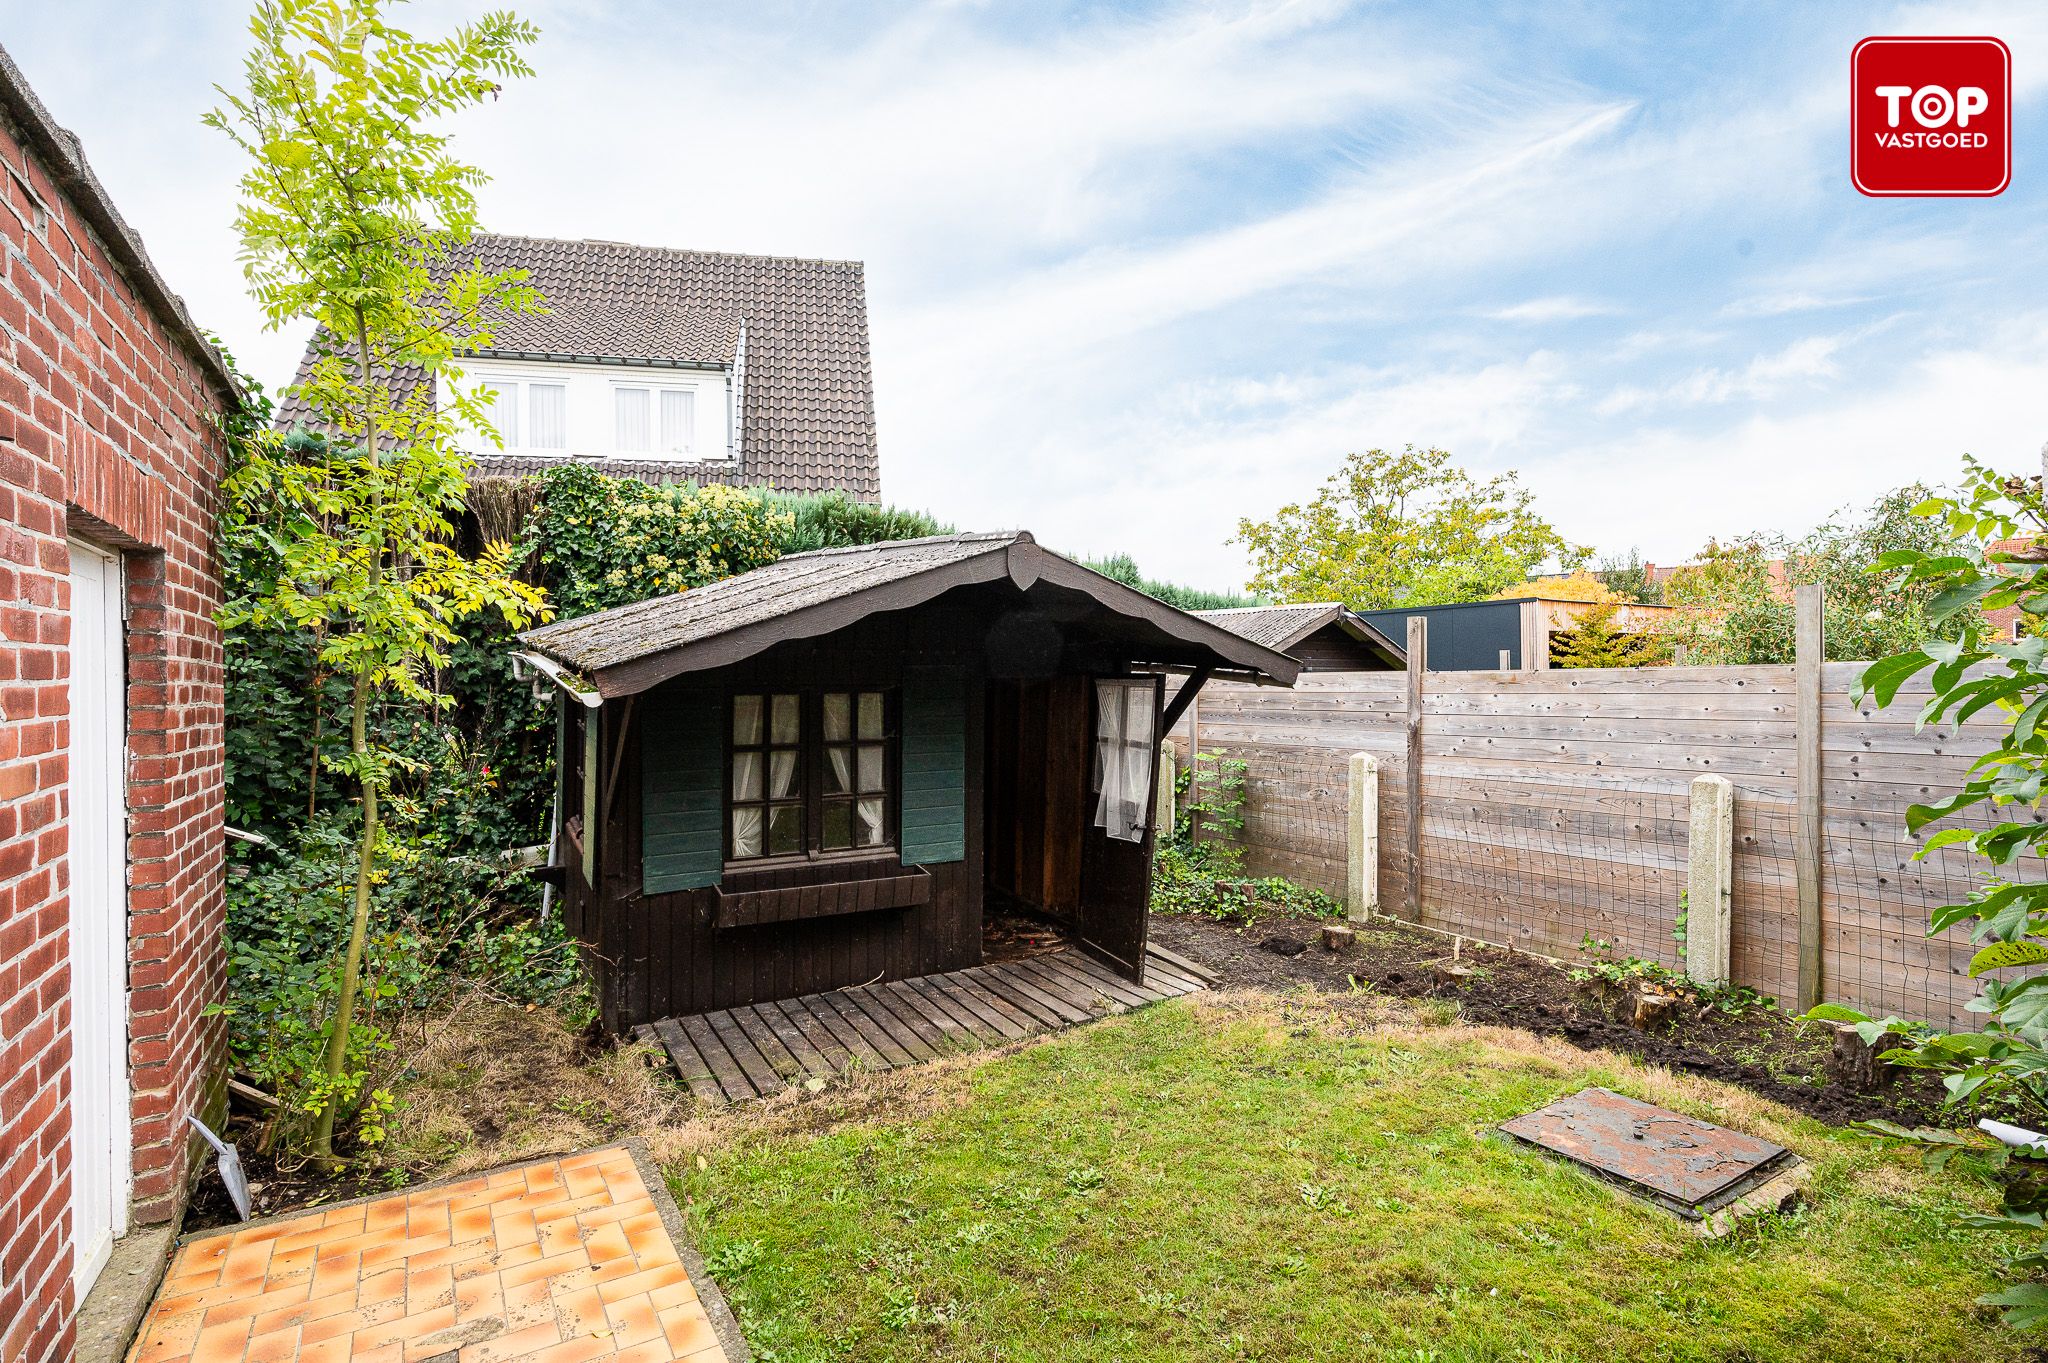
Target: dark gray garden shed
816, 774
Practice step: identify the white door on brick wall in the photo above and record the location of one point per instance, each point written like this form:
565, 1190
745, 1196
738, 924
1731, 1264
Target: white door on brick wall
100, 1163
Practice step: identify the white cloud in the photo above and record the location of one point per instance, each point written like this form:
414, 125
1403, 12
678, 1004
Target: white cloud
1807, 359
1559, 308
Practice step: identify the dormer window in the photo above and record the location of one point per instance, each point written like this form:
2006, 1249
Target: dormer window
655, 421
642, 414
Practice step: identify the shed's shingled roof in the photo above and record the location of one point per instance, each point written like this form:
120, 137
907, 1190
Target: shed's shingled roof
629, 648
1273, 626
1282, 627
808, 403
591, 643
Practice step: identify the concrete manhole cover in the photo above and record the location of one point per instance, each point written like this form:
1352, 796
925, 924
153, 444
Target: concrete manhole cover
1681, 1163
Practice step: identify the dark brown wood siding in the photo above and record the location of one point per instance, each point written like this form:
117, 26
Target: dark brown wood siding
1330, 649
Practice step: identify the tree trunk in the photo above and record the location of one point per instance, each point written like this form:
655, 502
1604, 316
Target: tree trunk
366, 850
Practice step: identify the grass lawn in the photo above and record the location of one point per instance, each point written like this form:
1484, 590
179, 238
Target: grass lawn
1248, 1177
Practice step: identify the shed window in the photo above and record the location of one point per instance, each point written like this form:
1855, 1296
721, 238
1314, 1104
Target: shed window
810, 773
1125, 753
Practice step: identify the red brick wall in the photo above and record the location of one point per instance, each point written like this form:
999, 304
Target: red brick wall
104, 433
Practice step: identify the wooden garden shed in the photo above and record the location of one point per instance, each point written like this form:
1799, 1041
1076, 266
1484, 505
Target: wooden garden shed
819, 773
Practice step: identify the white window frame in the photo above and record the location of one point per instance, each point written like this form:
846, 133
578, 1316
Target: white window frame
656, 427
519, 438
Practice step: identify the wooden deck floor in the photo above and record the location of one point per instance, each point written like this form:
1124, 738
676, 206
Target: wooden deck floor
750, 1052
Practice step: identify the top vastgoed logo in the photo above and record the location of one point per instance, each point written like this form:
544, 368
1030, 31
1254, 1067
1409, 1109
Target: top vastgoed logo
1930, 117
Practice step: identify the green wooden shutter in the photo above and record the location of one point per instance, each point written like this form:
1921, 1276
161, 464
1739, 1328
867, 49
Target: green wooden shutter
934, 826
682, 791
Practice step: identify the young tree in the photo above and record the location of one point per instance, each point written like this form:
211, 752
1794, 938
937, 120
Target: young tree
354, 215
1595, 641
1407, 529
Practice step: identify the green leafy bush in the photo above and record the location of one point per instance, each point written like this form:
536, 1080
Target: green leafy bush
1123, 568
1986, 557
600, 542
833, 520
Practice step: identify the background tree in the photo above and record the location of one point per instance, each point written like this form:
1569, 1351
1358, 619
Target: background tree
1406, 529
1578, 586
1629, 577
1595, 641
1737, 599
354, 216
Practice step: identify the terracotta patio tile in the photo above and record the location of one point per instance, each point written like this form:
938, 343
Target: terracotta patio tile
579, 1350
711, 1353
560, 1236
514, 1229
332, 1275
584, 1182
430, 1219
528, 1303
581, 1312
613, 1269
278, 1346
479, 1297
326, 1351
168, 1337
676, 1294
634, 1204
549, 1267
401, 1329
314, 1308
388, 1285
257, 1301
470, 1223
687, 1328
655, 1350
389, 1353
221, 1343
646, 1280
384, 1214
606, 1244
512, 1344
633, 1321
649, 1242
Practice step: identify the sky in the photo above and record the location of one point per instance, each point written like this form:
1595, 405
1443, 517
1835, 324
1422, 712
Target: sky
1136, 271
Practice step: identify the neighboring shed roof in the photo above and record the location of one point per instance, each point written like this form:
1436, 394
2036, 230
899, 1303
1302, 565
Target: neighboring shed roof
63, 157
630, 648
1282, 627
807, 393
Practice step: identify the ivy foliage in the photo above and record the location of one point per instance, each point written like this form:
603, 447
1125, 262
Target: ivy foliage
1993, 549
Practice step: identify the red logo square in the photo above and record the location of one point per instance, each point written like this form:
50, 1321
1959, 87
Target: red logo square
1930, 117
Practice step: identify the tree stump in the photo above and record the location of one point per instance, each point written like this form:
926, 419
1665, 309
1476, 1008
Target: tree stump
1340, 940
1649, 1005
1859, 1066
1452, 973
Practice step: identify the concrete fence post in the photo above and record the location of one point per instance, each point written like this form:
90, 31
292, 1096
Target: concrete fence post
1162, 804
1362, 839
1709, 881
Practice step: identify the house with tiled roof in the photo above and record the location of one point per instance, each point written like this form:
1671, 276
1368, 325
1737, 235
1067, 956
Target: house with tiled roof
673, 365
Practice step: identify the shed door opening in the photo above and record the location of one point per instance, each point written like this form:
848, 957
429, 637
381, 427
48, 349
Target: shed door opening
100, 1167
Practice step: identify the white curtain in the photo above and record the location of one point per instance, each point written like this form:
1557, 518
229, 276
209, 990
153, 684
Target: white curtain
841, 760
746, 831
548, 416
633, 429
678, 421
1124, 747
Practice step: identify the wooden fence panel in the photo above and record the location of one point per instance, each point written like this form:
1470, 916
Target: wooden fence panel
1554, 811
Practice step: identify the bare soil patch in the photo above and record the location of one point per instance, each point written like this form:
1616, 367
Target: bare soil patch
1760, 1047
